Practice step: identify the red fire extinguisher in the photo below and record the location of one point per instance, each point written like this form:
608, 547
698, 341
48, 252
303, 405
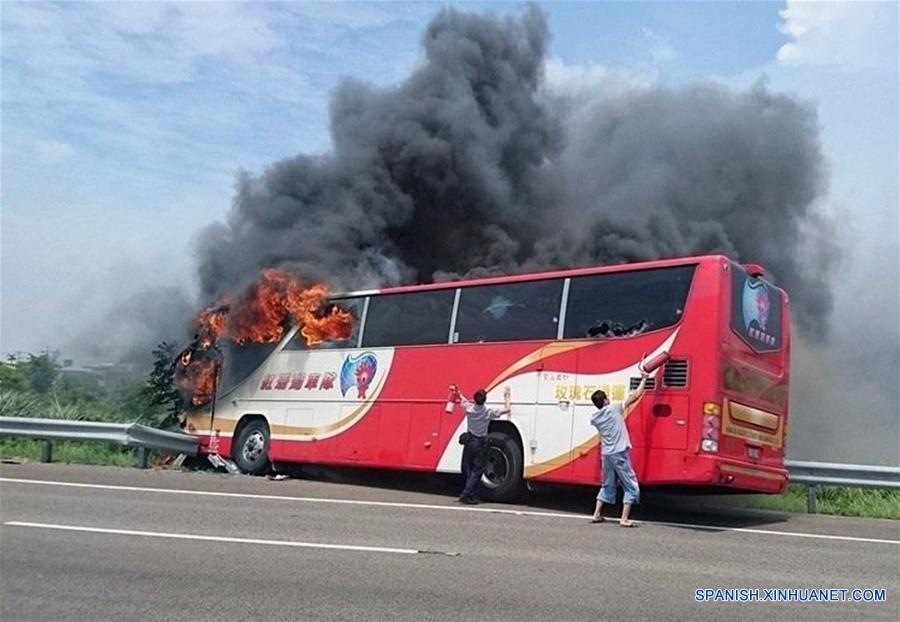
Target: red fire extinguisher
452, 399
656, 362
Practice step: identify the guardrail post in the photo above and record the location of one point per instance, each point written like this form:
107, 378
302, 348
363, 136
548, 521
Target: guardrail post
46, 450
811, 498
143, 457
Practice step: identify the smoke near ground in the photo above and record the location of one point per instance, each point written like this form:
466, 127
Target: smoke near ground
132, 326
845, 398
473, 165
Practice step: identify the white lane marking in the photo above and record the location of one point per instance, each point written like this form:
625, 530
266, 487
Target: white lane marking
243, 495
426, 506
772, 532
188, 536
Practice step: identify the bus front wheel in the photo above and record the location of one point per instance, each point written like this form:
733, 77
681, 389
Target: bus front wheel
502, 479
251, 448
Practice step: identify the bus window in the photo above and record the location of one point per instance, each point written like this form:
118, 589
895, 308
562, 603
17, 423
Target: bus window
239, 361
755, 310
508, 312
409, 319
626, 303
355, 306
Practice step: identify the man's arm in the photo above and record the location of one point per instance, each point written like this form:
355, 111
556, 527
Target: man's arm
507, 405
507, 401
636, 395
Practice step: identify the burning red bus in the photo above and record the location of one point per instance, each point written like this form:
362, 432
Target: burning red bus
714, 415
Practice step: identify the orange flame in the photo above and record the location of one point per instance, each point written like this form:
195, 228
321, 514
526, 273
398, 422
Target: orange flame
268, 303
267, 308
204, 381
336, 326
211, 323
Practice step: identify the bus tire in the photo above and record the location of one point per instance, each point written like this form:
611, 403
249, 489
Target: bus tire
251, 448
502, 479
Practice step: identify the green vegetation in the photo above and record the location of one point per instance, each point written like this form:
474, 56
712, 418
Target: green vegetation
837, 500
77, 452
39, 388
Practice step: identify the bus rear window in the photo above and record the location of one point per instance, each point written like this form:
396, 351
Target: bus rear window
626, 303
755, 311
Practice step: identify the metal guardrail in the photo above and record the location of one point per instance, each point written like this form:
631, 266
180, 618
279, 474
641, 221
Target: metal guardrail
815, 474
142, 437
831, 474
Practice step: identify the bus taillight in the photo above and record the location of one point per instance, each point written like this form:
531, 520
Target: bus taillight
711, 426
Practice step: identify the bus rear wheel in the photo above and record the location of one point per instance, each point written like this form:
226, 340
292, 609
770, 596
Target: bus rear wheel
251, 448
502, 479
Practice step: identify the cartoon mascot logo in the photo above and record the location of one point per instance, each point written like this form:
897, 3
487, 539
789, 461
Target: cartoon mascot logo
358, 371
756, 304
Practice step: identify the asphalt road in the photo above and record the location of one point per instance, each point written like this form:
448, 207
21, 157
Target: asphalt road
92, 543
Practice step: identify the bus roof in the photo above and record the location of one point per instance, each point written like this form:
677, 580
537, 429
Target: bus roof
532, 276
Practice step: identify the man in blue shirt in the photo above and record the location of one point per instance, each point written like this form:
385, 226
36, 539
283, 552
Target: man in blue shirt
615, 446
478, 418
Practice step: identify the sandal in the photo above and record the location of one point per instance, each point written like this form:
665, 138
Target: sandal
630, 524
598, 520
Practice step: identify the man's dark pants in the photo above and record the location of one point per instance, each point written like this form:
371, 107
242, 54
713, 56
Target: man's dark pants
474, 460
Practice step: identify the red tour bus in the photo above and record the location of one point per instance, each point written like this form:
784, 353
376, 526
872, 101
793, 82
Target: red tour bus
714, 416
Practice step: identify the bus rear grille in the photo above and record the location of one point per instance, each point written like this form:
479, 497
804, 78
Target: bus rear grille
676, 373
651, 384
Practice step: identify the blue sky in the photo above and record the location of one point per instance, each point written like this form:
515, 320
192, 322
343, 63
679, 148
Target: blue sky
123, 124
695, 39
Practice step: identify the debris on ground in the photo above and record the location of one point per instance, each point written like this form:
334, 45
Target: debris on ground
221, 463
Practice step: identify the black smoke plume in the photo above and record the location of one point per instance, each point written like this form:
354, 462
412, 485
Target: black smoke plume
474, 164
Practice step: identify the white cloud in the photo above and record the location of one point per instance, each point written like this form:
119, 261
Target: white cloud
205, 83
124, 123
845, 34
660, 47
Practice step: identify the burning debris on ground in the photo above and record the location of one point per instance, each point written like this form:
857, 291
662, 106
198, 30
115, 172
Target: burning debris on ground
263, 314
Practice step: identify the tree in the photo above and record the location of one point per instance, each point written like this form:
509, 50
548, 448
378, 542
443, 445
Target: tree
160, 389
40, 372
12, 377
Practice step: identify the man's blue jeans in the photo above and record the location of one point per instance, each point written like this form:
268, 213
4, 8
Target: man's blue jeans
618, 466
474, 458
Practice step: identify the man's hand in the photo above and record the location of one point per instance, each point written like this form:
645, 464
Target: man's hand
507, 400
634, 397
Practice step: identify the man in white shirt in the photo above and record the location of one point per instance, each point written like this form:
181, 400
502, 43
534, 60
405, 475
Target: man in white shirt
615, 447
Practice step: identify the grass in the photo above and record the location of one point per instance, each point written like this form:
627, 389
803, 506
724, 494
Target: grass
837, 500
75, 452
